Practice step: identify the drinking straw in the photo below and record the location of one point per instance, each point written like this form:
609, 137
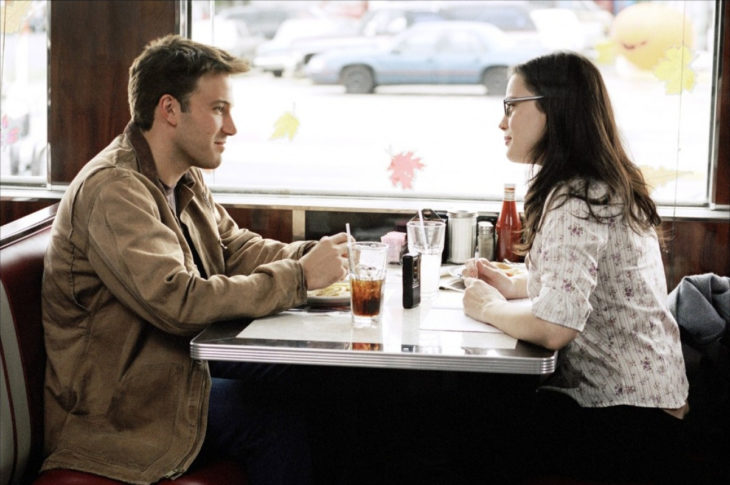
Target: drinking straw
349, 247
423, 230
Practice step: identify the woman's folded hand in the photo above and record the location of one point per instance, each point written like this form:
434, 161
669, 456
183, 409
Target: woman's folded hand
480, 300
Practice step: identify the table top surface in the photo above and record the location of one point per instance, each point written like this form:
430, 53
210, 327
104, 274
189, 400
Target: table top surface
436, 335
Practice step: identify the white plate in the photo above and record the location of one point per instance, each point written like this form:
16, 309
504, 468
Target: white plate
510, 269
337, 294
456, 271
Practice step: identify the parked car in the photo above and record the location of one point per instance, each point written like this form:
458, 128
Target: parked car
300, 40
556, 24
228, 35
375, 27
448, 52
279, 55
509, 16
254, 24
512, 17
264, 18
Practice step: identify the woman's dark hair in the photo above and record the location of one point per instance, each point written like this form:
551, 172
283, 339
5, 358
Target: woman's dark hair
172, 65
581, 142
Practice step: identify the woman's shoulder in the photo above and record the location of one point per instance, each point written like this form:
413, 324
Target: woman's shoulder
583, 196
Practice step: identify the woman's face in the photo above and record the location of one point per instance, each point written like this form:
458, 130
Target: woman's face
523, 124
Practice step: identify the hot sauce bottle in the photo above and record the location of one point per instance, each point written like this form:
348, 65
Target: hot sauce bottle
508, 227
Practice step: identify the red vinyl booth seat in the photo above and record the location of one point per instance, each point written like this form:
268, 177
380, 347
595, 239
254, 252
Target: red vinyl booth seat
22, 365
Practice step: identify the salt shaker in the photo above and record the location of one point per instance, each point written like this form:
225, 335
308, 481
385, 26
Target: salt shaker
485, 240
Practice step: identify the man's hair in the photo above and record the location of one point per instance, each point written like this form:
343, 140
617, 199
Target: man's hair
172, 65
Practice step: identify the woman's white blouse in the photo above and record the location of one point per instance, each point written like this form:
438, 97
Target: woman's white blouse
607, 282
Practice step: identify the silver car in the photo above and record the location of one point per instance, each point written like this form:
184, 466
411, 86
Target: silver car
448, 52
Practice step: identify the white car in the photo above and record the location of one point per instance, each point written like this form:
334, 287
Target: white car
280, 55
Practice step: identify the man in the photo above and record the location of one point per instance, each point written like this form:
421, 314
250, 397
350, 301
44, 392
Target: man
141, 259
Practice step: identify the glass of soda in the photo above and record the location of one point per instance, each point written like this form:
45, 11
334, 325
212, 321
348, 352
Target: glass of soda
367, 278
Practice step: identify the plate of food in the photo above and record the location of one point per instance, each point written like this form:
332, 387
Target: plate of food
510, 269
336, 294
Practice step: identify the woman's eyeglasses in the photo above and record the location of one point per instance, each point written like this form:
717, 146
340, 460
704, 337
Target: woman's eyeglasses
509, 102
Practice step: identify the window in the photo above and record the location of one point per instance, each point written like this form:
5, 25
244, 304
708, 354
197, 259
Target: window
23, 76
345, 111
426, 125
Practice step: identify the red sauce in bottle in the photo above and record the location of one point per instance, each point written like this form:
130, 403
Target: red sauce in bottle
508, 227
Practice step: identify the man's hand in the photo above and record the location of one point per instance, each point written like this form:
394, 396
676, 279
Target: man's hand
326, 262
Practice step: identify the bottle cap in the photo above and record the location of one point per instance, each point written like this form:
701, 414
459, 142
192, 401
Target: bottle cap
509, 191
485, 227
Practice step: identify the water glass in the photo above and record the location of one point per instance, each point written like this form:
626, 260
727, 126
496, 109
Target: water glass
427, 239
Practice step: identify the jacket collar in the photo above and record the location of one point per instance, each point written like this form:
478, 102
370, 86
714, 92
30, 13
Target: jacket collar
145, 160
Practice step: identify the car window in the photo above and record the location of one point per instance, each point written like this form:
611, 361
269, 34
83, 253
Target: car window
416, 42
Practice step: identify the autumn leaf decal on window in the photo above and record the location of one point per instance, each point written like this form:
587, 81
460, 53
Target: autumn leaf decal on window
674, 70
286, 125
404, 166
9, 135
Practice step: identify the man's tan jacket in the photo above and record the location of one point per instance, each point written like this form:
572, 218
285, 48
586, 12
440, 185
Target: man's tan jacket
122, 296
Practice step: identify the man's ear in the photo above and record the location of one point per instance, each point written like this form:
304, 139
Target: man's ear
168, 108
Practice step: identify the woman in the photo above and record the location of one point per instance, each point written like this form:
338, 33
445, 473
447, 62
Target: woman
595, 279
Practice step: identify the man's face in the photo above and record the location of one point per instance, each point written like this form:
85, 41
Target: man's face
202, 130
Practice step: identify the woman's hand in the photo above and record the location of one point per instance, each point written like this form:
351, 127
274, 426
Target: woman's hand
509, 286
480, 300
485, 303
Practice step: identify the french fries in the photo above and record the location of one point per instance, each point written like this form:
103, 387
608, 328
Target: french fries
340, 288
508, 269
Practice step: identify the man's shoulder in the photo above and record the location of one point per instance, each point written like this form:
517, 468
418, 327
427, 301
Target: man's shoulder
118, 159
114, 169
118, 154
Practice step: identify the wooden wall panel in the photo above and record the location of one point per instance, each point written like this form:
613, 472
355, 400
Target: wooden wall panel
269, 223
696, 247
93, 44
11, 210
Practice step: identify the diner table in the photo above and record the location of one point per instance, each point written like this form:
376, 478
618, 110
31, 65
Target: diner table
435, 335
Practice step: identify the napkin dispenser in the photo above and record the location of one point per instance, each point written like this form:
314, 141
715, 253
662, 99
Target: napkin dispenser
461, 235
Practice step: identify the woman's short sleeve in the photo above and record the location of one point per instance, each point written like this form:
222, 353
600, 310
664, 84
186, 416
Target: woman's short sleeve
565, 257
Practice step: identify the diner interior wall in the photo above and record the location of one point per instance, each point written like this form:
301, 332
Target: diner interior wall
92, 46
93, 43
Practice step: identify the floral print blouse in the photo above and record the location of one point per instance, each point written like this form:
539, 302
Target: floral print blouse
607, 282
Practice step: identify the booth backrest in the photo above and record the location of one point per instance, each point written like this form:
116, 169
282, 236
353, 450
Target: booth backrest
22, 356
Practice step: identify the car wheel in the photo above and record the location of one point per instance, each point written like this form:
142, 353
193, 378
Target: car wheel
358, 80
495, 79
277, 72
